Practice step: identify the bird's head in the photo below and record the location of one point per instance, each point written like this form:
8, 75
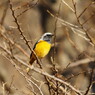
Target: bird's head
47, 37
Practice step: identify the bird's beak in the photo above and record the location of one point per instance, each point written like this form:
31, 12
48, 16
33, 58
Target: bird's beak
52, 35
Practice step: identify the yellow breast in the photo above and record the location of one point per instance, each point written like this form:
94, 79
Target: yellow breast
42, 48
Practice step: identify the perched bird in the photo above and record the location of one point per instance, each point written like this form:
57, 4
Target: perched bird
42, 47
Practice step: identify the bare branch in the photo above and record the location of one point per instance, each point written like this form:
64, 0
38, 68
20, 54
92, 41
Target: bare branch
90, 40
68, 5
40, 71
18, 25
90, 82
85, 9
30, 6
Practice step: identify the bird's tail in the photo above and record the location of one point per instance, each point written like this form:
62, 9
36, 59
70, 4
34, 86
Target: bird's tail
32, 58
32, 61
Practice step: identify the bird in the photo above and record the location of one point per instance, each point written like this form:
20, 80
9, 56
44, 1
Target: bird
41, 47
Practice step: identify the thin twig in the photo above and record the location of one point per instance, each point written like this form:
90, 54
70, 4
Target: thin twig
90, 82
54, 51
15, 44
4, 92
90, 40
81, 62
55, 28
30, 6
73, 76
85, 9
82, 36
68, 5
27, 79
64, 22
75, 27
18, 25
10, 85
88, 19
4, 14
72, 43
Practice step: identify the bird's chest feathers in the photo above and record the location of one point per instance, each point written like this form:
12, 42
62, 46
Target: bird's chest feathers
42, 48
